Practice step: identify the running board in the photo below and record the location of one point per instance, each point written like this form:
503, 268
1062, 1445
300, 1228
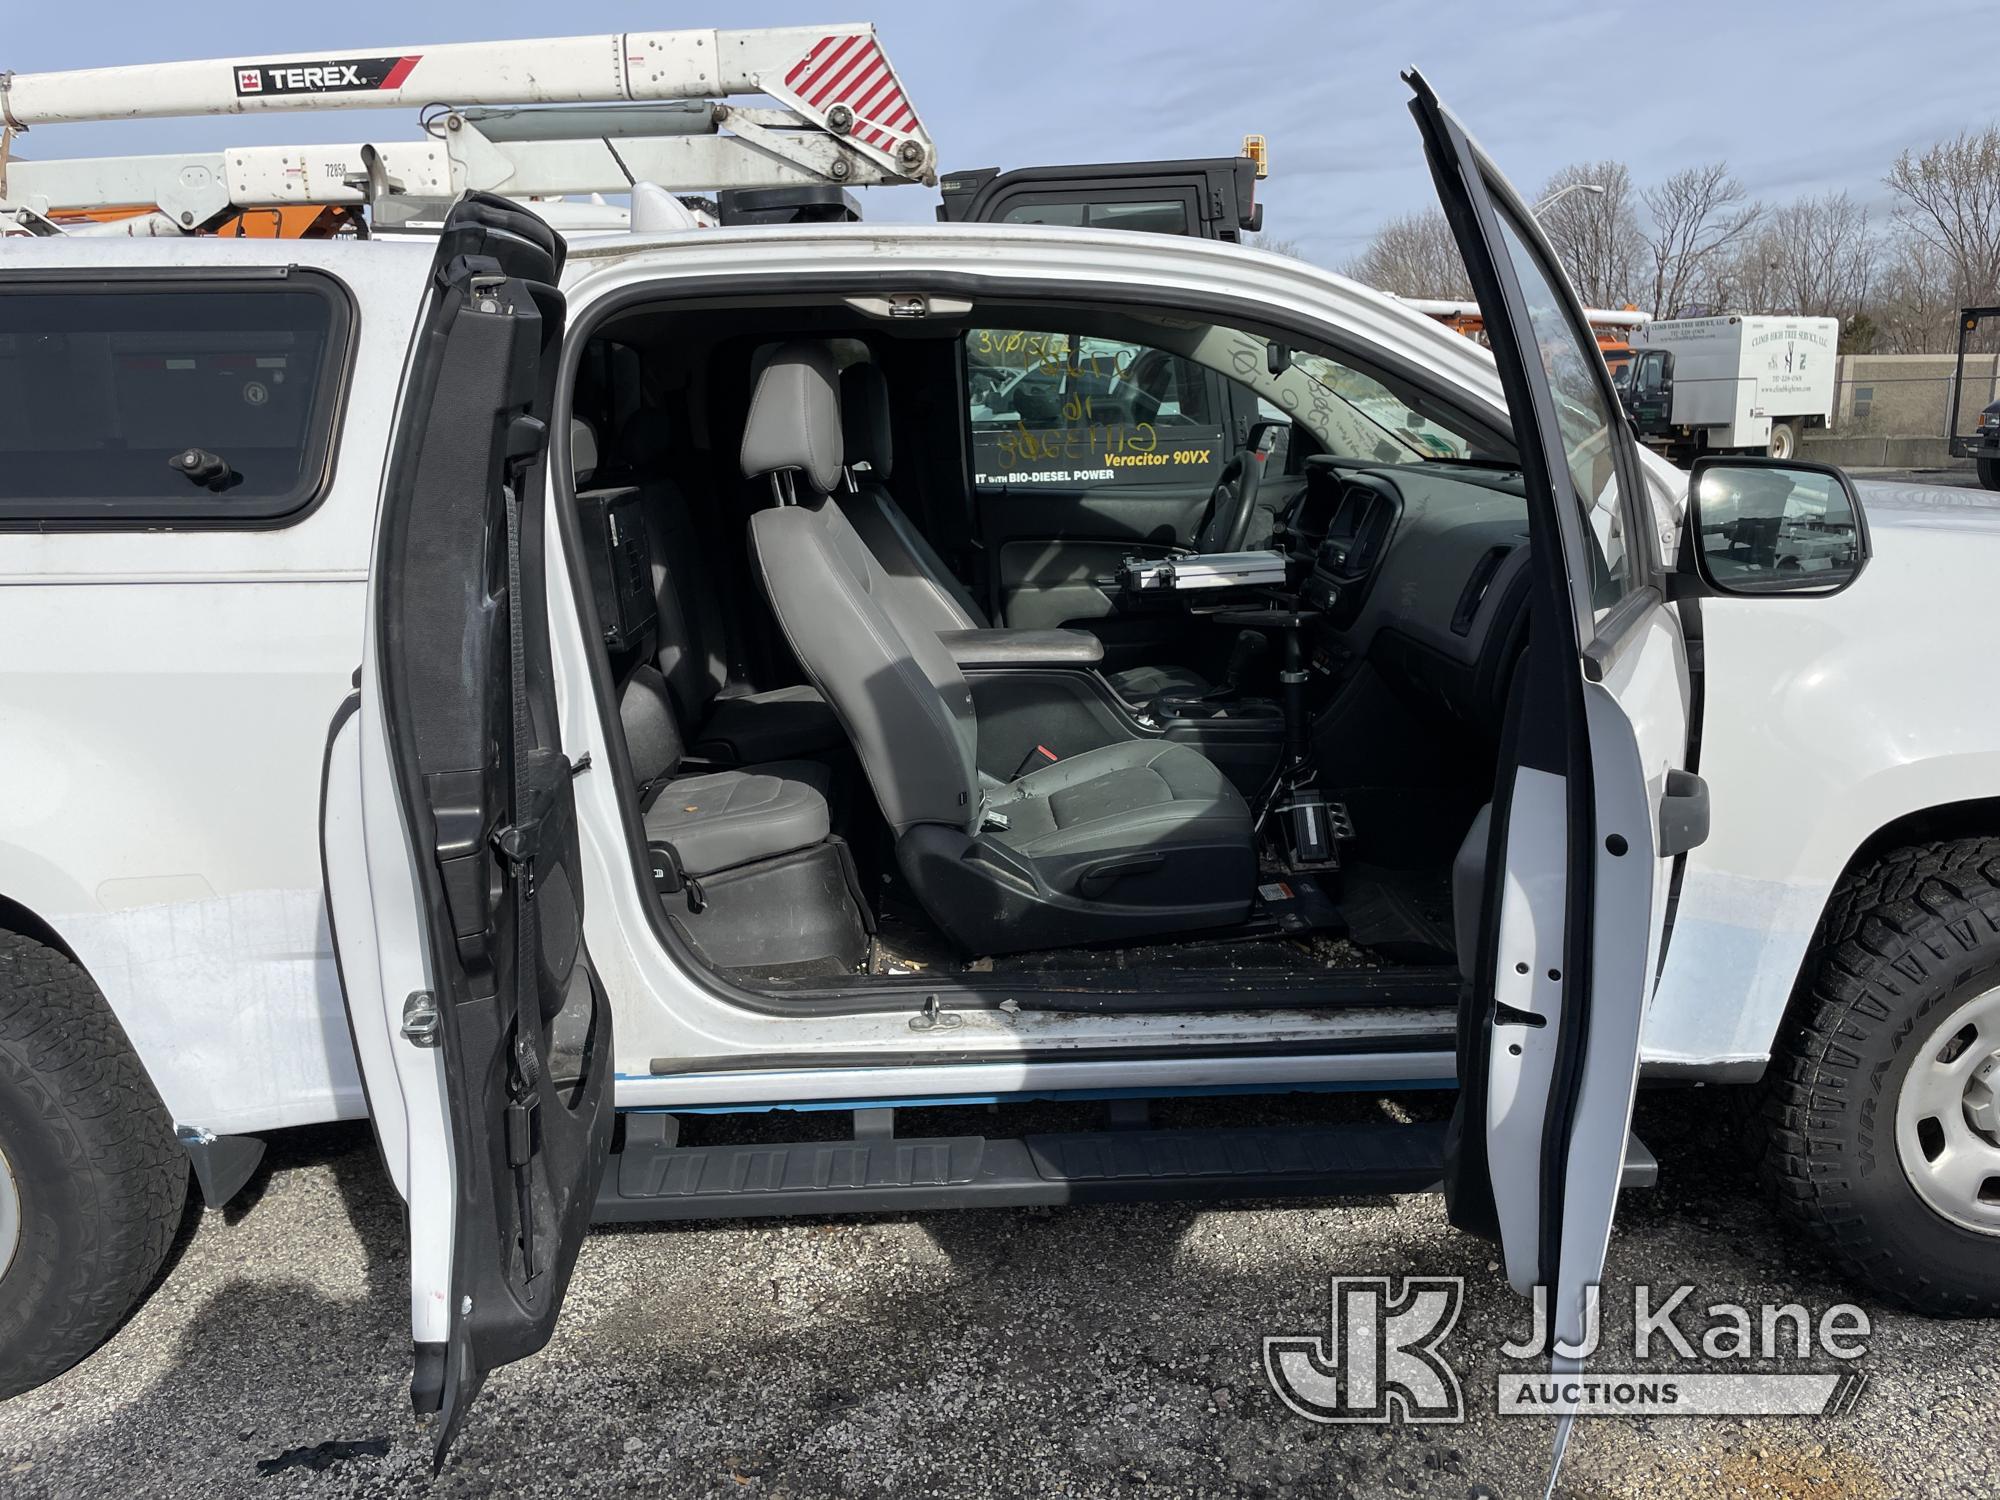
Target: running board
877, 1172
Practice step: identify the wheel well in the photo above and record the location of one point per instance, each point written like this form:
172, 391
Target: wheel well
1974, 818
14, 917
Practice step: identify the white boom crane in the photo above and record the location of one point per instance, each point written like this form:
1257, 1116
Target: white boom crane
528, 119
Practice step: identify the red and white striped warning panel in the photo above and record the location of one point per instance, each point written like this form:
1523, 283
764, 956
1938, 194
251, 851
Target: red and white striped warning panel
852, 69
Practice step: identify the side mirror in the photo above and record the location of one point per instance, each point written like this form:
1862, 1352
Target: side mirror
1773, 526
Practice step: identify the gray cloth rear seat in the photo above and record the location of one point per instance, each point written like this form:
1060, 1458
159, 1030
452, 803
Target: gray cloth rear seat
722, 819
1131, 840
716, 820
919, 591
728, 720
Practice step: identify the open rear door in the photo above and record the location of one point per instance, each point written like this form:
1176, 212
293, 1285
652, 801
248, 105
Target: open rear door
1593, 800
450, 836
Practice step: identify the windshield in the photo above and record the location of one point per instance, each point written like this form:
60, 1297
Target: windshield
1149, 401
1409, 435
1348, 412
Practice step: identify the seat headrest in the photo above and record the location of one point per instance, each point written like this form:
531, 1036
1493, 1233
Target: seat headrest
794, 421
582, 451
864, 418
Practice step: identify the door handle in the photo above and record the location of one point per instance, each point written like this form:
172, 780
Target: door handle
1683, 814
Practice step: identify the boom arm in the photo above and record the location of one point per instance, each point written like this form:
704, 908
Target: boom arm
842, 118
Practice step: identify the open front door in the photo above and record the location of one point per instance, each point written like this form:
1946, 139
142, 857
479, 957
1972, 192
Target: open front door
1593, 800
450, 833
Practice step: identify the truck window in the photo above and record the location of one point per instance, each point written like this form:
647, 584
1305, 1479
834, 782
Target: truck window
1587, 416
1052, 408
1160, 216
101, 388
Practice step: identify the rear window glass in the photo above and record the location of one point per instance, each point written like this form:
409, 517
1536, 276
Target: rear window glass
1052, 407
105, 391
1162, 216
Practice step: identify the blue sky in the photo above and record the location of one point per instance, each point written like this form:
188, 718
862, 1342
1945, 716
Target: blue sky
1797, 97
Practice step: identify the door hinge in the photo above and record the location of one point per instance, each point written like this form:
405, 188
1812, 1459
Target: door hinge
420, 1019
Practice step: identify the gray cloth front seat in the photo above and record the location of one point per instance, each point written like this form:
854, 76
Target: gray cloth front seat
918, 588
1131, 840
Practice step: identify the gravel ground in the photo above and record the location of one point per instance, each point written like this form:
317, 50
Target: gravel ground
1079, 1352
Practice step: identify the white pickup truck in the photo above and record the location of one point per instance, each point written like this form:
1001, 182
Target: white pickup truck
508, 691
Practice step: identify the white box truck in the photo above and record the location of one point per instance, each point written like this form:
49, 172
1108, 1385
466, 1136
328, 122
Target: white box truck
1731, 384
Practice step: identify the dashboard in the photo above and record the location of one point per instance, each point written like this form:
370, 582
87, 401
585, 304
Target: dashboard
1420, 570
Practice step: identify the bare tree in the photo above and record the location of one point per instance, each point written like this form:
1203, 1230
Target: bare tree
1913, 308
1274, 245
1413, 256
1829, 255
1752, 280
1950, 198
1814, 257
1700, 216
1596, 235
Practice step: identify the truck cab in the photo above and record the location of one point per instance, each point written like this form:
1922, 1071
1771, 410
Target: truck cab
1212, 198
559, 719
1645, 384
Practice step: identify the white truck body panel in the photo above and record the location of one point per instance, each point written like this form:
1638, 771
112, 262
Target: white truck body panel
1822, 725
1735, 376
174, 731
167, 697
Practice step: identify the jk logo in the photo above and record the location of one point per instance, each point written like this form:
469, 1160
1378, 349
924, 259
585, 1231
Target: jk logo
1379, 1359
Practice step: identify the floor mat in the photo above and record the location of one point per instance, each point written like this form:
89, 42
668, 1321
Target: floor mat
907, 944
1402, 915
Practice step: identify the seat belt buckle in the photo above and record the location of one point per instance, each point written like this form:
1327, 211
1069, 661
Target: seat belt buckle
1038, 758
670, 876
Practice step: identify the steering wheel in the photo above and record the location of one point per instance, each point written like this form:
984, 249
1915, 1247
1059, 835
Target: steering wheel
1226, 520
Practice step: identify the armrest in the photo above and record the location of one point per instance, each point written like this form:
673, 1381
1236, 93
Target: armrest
1023, 648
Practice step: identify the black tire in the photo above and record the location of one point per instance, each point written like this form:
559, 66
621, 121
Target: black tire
1784, 441
1904, 942
100, 1180
1989, 473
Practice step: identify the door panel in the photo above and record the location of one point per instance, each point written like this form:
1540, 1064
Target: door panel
1574, 911
456, 704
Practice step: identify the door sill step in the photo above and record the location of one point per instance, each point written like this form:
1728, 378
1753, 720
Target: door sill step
652, 1180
